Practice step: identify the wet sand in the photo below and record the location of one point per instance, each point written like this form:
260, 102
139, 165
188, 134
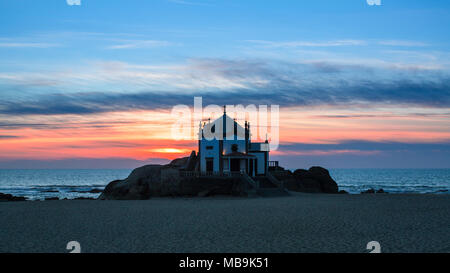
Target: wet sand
299, 223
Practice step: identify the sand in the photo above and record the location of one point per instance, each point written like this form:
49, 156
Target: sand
299, 223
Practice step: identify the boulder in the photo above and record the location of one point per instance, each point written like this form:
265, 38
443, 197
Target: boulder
343, 192
9, 197
314, 180
51, 198
327, 184
371, 191
179, 162
136, 186
368, 191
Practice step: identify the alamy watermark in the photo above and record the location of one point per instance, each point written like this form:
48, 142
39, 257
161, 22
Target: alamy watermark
78, 2
74, 247
73, 2
374, 2
202, 120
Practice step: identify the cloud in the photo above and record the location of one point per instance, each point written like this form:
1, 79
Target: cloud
27, 45
364, 154
221, 81
79, 163
367, 146
131, 44
291, 44
353, 116
66, 124
8, 136
189, 3
401, 43
335, 43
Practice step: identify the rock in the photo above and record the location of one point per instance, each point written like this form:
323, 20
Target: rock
343, 192
314, 180
327, 184
136, 186
210, 186
51, 198
18, 198
204, 193
190, 162
368, 191
179, 162
84, 198
9, 197
164, 180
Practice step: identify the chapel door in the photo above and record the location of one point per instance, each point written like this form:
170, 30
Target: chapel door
209, 164
235, 165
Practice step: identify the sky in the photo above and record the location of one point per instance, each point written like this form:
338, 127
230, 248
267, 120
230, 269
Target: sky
93, 85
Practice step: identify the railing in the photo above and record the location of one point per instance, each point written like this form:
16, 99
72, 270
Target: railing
253, 183
280, 173
272, 163
215, 174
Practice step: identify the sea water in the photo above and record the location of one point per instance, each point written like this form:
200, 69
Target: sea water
71, 183
39, 184
393, 180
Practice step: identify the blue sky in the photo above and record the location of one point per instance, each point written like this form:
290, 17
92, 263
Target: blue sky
167, 31
51, 36
384, 65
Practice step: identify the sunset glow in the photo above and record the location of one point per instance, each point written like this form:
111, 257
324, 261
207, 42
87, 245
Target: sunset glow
72, 89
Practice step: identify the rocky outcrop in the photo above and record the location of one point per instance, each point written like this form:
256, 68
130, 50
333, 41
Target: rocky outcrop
165, 180
314, 180
369, 191
9, 197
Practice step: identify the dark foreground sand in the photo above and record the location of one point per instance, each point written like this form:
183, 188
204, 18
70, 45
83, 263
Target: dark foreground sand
300, 223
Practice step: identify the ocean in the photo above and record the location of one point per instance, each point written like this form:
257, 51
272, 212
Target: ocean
70, 183
393, 180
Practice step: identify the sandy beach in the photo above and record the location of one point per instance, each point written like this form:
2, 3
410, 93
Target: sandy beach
299, 223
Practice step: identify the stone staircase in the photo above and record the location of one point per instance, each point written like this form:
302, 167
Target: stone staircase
267, 188
264, 182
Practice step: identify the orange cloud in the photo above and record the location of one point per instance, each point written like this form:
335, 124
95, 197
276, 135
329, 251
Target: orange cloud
146, 134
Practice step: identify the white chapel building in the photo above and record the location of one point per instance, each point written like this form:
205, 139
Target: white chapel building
231, 152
